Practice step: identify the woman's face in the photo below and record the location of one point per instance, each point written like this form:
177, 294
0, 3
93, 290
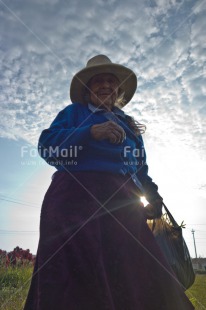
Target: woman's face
104, 90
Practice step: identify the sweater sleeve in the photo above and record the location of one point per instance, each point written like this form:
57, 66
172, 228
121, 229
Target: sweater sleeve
151, 189
62, 135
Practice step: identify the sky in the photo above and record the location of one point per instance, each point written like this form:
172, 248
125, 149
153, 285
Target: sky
43, 43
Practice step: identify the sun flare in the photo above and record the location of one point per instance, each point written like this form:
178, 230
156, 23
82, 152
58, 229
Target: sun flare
144, 200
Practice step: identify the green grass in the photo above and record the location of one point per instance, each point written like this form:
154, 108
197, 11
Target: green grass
14, 285
197, 293
15, 281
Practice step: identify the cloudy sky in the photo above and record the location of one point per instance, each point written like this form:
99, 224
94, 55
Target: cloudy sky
43, 43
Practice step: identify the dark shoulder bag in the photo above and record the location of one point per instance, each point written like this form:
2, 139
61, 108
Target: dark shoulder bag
168, 235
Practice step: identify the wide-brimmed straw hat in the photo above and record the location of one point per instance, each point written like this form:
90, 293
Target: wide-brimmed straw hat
102, 64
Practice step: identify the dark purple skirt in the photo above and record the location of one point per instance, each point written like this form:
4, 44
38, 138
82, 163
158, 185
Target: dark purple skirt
96, 251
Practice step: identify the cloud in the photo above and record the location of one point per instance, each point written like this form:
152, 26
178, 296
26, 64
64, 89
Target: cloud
43, 43
161, 41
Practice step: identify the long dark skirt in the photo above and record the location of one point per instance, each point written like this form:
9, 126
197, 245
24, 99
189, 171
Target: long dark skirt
96, 251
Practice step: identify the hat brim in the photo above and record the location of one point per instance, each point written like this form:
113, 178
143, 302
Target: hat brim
127, 78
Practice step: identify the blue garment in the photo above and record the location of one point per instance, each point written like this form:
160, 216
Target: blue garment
116, 115
68, 146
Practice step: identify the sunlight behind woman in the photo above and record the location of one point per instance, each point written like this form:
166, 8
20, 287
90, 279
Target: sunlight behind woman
144, 201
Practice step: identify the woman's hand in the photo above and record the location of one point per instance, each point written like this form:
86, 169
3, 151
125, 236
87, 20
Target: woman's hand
154, 210
108, 130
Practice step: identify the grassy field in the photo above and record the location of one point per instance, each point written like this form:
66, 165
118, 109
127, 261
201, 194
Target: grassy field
14, 284
197, 293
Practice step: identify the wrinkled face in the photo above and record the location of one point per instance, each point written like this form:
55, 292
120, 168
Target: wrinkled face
104, 90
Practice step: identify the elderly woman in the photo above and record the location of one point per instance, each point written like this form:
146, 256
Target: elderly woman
96, 251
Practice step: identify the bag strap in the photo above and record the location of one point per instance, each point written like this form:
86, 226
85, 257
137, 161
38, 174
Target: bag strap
174, 223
